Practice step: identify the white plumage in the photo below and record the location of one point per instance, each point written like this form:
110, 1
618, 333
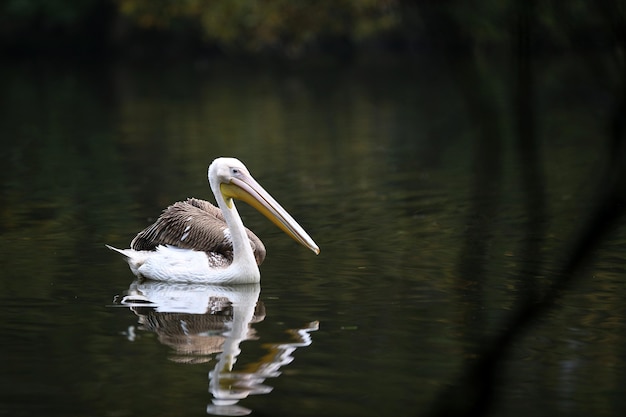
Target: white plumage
194, 241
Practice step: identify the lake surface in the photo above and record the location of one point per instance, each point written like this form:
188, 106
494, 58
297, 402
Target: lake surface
439, 206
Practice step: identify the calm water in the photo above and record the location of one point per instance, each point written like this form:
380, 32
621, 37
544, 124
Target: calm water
432, 222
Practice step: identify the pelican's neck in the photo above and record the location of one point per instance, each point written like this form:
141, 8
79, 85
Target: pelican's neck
244, 264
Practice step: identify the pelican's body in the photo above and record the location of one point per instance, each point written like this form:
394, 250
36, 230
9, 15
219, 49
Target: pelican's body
194, 241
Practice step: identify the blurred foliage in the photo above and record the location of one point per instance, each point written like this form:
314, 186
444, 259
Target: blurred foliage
71, 26
58, 12
294, 28
259, 25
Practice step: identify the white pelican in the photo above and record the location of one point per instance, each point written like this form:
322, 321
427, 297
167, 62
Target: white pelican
194, 241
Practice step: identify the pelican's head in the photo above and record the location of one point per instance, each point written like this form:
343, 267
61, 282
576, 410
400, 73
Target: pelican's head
230, 179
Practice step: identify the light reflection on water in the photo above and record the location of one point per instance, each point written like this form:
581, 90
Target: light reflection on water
419, 261
203, 323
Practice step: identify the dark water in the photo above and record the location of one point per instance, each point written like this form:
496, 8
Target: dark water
433, 223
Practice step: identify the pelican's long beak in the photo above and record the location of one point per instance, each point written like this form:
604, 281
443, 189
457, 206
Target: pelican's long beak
245, 188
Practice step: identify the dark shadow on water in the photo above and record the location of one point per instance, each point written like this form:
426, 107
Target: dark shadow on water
473, 393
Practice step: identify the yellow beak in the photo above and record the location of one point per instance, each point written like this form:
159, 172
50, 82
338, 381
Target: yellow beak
245, 188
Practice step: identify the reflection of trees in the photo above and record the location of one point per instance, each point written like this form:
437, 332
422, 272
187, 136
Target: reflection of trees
473, 393
55, 128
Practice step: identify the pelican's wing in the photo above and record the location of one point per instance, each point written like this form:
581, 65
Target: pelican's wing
193, 224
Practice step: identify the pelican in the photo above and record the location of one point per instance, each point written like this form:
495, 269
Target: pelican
194, 241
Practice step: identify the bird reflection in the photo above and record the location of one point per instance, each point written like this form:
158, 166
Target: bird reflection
201, 322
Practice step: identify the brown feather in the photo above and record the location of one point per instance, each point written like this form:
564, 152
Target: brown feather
193, 224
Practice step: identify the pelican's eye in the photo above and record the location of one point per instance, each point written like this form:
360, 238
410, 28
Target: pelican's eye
235, 171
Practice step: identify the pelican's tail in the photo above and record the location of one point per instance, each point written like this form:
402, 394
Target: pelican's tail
134, 258
127, 253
